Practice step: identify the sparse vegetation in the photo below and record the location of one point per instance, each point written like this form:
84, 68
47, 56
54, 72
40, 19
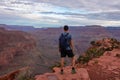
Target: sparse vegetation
95, 43
92, 42
83, 59
98, 48
95, 62
25, 75
115, 43
57, 64
90, 54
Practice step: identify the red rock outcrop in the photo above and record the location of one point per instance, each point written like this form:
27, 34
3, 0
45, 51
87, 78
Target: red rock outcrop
81, 74
106, 67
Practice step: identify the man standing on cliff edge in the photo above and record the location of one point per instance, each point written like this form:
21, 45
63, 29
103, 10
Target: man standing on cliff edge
66, 48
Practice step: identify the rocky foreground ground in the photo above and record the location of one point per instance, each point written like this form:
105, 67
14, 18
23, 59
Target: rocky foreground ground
107, 67
66, 76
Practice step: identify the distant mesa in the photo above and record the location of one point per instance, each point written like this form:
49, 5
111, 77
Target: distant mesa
97, 26
2, 28
17, 27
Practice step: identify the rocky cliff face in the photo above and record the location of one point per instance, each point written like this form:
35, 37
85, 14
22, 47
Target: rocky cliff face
107, 67
14, 44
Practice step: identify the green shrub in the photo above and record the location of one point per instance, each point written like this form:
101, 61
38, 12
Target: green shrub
109, 48
100, 52
83, 59
95, 62
90, 54
57, 64
92, 42
115, 43
86, 59
80, 58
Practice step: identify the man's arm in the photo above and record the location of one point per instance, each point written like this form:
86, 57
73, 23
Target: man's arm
59, 44
71, 44
59, 47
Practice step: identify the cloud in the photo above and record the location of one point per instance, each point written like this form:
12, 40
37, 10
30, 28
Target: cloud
110, 16
60, 12
84, 4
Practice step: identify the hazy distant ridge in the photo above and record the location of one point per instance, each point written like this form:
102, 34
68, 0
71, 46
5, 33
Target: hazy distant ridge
17, 27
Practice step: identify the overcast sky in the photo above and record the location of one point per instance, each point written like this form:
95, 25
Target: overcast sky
56, 13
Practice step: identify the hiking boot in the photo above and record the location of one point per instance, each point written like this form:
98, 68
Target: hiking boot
73, 70
61, 71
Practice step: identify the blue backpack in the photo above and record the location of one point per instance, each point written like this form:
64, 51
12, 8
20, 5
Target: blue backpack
64, 42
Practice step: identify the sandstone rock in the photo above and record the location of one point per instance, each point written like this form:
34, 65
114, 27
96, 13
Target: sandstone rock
108, 66
13, 43
81, 74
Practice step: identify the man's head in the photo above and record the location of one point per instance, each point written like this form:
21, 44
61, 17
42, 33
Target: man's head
66, 28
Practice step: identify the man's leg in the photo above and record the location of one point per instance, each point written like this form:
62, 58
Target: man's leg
62, 65
73, 65
73, 61
72, 57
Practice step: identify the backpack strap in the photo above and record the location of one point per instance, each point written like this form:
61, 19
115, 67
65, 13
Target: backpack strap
65, 35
